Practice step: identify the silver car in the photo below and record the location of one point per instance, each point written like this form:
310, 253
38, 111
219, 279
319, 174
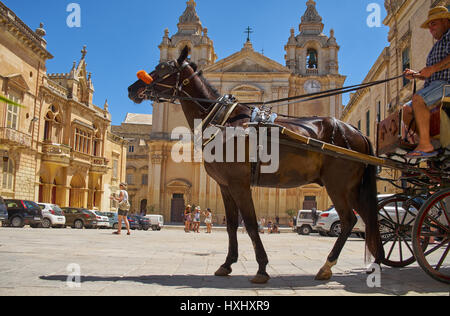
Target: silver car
53, 216
329, 223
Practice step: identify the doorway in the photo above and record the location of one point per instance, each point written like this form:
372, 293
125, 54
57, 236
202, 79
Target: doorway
177, 208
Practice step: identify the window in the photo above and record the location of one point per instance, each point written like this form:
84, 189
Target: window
8, 173
406, 64
115, 169
368, 123
130, 179
82, 141
12, 116
312, 59
131, 149
359, 125
145, 179
53, 125
379, 112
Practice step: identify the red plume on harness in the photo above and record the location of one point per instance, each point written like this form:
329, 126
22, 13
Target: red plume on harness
144, 76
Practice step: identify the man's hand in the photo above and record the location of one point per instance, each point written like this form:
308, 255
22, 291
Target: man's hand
412, 74
427, 72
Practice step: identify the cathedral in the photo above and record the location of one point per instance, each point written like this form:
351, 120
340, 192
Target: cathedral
162, 186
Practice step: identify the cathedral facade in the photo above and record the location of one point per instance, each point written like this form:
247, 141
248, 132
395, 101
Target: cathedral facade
311, 66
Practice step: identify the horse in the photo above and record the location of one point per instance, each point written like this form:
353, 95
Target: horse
350, 185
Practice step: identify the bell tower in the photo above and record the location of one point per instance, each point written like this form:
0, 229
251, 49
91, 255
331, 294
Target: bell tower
191, 33
312, 57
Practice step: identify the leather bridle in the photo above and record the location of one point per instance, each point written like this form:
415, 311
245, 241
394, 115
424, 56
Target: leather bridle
174, 92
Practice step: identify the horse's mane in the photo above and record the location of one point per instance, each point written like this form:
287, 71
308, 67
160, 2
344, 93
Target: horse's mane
207, 84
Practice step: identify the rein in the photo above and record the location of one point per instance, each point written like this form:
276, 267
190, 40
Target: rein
178, 90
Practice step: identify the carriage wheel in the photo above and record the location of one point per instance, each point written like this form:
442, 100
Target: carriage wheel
396, 216
432, 226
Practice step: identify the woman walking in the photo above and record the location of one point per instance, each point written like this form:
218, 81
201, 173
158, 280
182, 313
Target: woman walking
187, 219
197, 219
208, 220
124, 207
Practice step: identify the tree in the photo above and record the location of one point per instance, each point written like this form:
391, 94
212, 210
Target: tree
291, 213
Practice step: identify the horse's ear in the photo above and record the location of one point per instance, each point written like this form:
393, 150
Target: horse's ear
184, 55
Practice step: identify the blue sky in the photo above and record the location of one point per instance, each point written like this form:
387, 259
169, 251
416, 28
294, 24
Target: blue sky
122, 37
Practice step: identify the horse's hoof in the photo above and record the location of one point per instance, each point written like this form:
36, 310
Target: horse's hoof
324, 275
260, 279
222, 272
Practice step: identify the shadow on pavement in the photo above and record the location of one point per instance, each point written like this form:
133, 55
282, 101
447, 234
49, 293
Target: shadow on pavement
393, 282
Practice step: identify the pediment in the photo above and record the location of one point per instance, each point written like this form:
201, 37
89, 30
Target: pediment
247, 61
19, 81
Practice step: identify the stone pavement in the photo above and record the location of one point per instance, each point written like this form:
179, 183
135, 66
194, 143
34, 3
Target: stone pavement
173, 263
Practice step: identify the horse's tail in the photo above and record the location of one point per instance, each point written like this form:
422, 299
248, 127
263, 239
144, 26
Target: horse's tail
368, 209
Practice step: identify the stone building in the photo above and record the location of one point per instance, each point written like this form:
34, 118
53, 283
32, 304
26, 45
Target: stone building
136, 130
311, 66
409, 46
59, 147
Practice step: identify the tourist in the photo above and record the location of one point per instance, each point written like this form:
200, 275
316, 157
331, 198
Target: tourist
187, 219
197, 219
208, 220
124, 207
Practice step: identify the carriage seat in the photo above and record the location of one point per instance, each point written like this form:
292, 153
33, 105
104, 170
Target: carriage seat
398, 135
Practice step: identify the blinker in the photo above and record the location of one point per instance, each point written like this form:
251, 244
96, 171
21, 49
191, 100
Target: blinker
144, 76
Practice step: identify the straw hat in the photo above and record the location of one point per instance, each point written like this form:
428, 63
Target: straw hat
124, 185
436, 13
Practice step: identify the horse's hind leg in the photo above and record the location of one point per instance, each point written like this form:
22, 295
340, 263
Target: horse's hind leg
348, 221
243, 198
231, 211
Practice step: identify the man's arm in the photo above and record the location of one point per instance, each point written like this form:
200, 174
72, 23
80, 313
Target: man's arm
427, 72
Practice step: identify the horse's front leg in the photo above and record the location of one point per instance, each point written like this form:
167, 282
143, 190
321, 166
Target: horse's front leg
232, 215
244, 201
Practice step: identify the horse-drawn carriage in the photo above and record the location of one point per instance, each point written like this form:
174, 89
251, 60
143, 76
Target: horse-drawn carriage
412, 225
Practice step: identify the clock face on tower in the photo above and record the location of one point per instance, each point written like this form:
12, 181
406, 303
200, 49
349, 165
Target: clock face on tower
312, 86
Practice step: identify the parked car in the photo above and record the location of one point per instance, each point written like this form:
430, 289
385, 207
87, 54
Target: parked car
393, 213
22, 212
3, 210
144, 222
329, 223
102, 219
79, 218
134, 224
53, 216
305, 222
112, 217
156, 221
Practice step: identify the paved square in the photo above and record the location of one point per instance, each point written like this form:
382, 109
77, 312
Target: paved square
173, 263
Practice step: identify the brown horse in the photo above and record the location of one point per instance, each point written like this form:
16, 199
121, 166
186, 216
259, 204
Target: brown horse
350, 185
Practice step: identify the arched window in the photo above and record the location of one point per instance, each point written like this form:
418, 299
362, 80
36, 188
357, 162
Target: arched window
8, 173
312, 59
53, 125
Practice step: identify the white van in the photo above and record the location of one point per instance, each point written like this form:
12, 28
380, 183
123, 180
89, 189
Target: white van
156, 221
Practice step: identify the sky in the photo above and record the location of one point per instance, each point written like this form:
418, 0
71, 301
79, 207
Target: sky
122, 37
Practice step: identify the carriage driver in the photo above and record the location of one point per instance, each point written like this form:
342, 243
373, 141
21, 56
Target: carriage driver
436, 75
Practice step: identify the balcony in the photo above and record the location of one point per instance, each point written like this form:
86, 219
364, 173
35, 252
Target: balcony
99, 165
312, 72
15, 138
56, 153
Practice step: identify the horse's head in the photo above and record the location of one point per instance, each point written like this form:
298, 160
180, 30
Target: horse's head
165, 82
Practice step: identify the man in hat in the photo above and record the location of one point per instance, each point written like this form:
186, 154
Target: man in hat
436, 75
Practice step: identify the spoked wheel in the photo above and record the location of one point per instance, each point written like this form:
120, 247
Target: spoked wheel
432, 228
397, 215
